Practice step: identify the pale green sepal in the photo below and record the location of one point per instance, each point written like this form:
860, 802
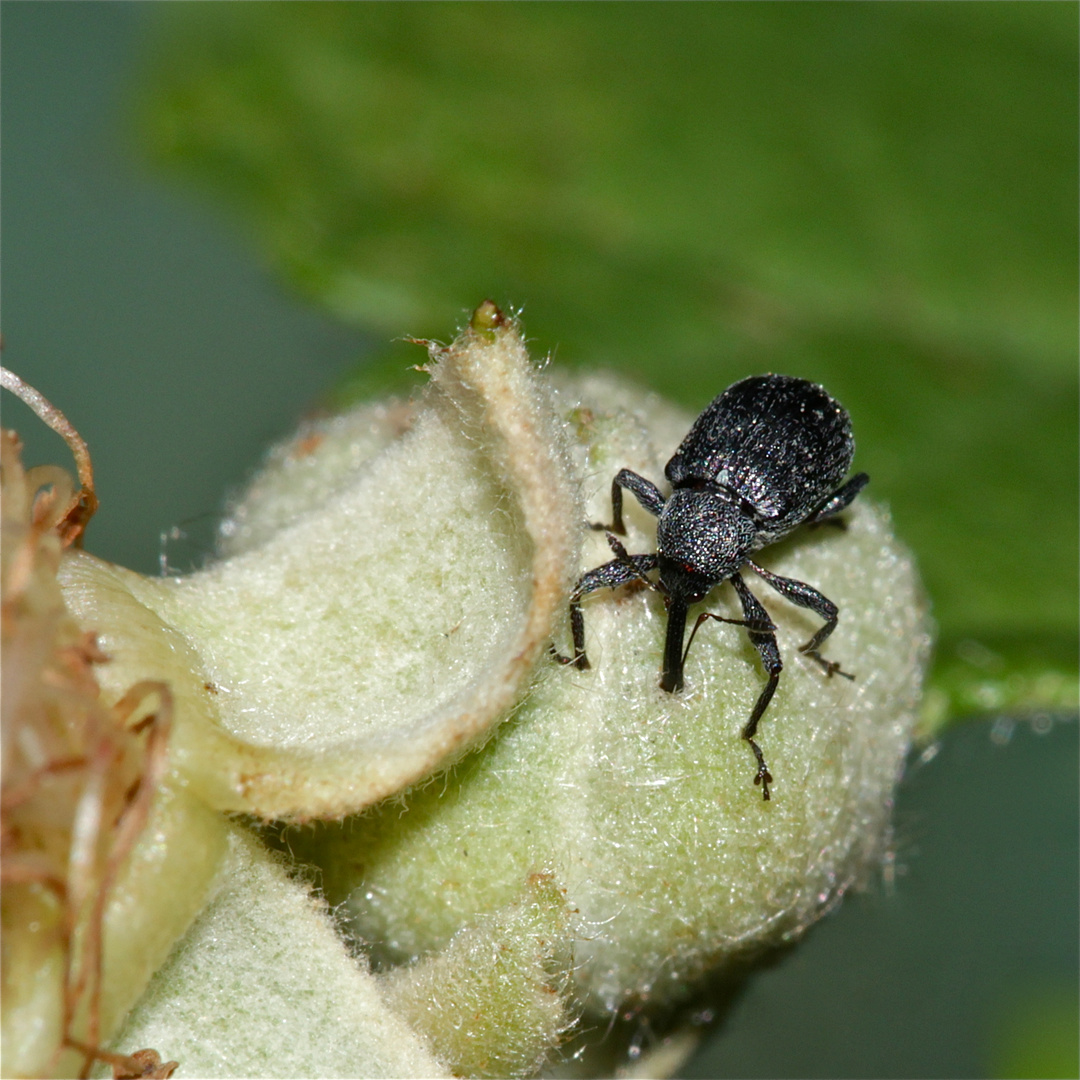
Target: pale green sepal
262, 985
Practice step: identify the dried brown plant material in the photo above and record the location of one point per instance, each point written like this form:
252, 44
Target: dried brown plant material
79, 775
143, 1065
79, 506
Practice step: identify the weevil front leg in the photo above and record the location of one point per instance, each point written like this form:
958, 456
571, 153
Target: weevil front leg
620, 571
798, 592
645, 491
762, 632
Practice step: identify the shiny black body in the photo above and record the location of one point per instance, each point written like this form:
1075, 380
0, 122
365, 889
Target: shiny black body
769, 454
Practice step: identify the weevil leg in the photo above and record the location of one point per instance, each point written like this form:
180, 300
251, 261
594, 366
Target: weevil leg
620, 571
646, 493
798, 592
762, 631
631, 562
839, 500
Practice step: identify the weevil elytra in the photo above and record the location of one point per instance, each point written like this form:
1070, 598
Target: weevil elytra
767, 455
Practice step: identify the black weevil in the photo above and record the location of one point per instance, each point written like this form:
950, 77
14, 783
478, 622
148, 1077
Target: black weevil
769, 454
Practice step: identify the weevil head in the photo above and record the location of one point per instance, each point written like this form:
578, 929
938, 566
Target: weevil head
701, 539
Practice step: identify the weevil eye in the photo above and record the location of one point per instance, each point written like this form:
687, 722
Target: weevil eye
679, 581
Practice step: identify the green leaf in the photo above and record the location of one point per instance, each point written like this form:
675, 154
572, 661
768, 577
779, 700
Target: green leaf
1037, 1036
881, 197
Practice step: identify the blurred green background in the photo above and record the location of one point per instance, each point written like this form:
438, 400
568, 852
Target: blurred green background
217, 215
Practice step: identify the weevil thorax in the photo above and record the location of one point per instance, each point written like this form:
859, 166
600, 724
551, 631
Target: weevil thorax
701, 539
